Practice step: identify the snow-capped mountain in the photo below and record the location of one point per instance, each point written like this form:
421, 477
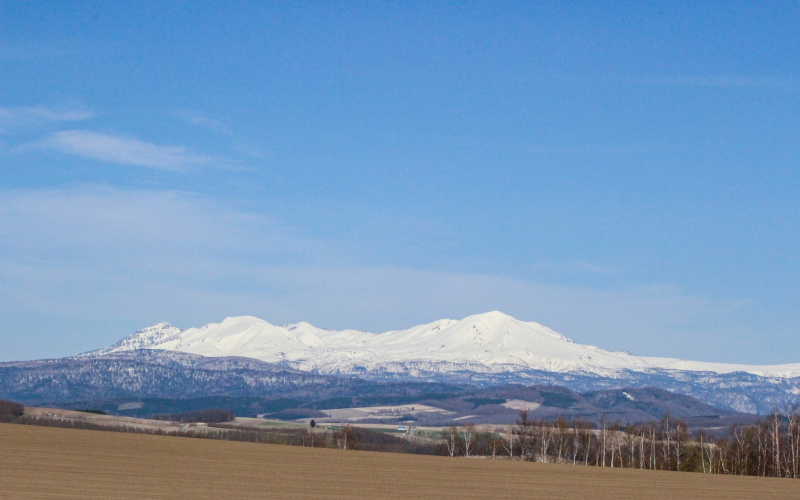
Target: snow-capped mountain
490, 343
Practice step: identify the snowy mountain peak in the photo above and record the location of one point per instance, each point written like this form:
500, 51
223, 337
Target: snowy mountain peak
491, 318
491, 342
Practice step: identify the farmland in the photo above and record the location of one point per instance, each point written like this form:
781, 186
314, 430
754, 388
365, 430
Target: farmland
41, 462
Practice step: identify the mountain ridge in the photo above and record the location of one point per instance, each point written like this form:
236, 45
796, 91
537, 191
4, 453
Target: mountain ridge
491, 342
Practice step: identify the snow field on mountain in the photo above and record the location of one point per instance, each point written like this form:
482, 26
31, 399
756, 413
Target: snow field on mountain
489, 342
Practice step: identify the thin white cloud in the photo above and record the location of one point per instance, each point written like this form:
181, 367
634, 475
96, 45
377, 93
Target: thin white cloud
125, 151
26, 117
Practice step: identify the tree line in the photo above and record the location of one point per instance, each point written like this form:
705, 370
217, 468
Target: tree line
770, 447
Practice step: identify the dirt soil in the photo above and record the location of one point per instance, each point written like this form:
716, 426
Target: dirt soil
52, 463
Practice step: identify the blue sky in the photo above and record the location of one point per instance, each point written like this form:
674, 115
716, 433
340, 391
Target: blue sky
626, 174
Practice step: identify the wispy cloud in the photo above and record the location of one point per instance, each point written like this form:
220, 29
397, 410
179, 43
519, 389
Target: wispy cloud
12, 118
203, 120
125, 151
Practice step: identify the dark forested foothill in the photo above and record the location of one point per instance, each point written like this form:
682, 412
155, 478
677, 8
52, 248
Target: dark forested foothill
92, 410
208, 416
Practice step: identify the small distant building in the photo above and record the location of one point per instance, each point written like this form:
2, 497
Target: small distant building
401, 427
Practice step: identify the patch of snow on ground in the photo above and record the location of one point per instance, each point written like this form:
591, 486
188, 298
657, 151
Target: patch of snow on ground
518, 404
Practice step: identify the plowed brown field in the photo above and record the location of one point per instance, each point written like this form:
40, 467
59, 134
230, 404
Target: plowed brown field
41, 462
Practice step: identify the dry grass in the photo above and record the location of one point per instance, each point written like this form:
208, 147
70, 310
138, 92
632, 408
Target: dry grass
39, 462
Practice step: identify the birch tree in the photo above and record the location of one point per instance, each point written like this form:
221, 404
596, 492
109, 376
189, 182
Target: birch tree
602, 440
793, 435
575, 437
562, 435
492, 440
468, 439
652, 442
681, 439
630, 435
614, 440
666, 440
545, 433
508, 440
775, 435
451, 440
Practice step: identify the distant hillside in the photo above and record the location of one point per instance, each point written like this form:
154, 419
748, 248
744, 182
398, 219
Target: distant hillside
502, 405
175, 375
171, 375
145, 382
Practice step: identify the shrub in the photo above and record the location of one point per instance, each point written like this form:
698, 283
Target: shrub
10, 411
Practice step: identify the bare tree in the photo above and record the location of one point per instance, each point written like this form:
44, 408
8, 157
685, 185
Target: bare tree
469, 439
722, 451
652, 442
641, 447
666, 440
762, 437
713, 455
775, 435
451, 440
739, 450
585, 435
524, 434
681, 439
793, 435
562, 435
545, 433
345, 439
613, 437
575, 438
508, 440
700, 438
629, 438
492, 440
602, 444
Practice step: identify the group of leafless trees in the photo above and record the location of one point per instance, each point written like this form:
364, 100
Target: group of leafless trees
770, 447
